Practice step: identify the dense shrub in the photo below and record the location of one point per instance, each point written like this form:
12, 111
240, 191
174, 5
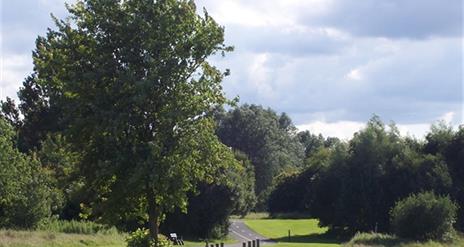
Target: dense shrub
209, 209
207, 215
292, 193
141, 238
424, 216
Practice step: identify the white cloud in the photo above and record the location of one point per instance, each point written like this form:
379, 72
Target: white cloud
260, 74
345, 129
414, 130
448, 117
355, 75
264, 12
14, 68
341, 129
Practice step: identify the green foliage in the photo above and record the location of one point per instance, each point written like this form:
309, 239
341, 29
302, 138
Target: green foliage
134, 88
57, 157
141, 238
424, 216
312, 143
438, 138
26, 195
352, 187
209, 210
454, 156
10, 113
77, 227
443, 141
266, 138
290, 194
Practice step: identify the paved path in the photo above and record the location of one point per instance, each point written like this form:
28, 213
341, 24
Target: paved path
242, 233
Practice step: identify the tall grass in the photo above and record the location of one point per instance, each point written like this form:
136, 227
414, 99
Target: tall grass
77, 227
22, 238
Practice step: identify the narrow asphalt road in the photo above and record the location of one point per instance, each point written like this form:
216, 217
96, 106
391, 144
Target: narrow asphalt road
242, 233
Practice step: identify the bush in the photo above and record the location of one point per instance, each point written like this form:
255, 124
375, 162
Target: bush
424, 216
141, 238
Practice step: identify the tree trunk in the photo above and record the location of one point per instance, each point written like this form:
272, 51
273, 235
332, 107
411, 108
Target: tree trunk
153, 216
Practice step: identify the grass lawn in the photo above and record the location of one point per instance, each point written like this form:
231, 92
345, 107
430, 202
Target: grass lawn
303, 232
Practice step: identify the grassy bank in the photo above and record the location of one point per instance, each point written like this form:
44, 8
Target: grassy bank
303, 232
59, 233
14, 238
11, 238
39, 238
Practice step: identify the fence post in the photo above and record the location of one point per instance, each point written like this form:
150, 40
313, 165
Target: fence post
257, 242
249, 243
253, 243
244, 244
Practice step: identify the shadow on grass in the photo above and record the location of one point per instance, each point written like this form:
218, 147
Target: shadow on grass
325, 238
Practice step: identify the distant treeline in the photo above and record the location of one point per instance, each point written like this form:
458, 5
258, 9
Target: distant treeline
350, 185
353, 186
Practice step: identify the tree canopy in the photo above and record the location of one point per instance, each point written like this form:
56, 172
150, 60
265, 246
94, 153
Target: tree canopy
133, 85
269, 140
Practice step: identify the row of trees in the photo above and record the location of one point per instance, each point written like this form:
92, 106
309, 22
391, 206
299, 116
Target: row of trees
353, 185
122, 122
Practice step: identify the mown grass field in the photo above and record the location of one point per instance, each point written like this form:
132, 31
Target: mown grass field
306, 232
303, 232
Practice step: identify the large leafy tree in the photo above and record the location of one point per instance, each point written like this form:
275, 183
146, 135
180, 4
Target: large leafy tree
269, 140
134, 87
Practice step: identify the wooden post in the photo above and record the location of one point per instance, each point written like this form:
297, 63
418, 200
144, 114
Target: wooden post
244, 244
212, 245
217, 245
222, 244
253, 243
289, 239
249, 243
257, 242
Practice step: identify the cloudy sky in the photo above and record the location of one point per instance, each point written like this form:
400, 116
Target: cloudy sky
330, 64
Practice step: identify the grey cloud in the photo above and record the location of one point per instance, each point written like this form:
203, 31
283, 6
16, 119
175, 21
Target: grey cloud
414, 82
304, 71
277, 40
395, 18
